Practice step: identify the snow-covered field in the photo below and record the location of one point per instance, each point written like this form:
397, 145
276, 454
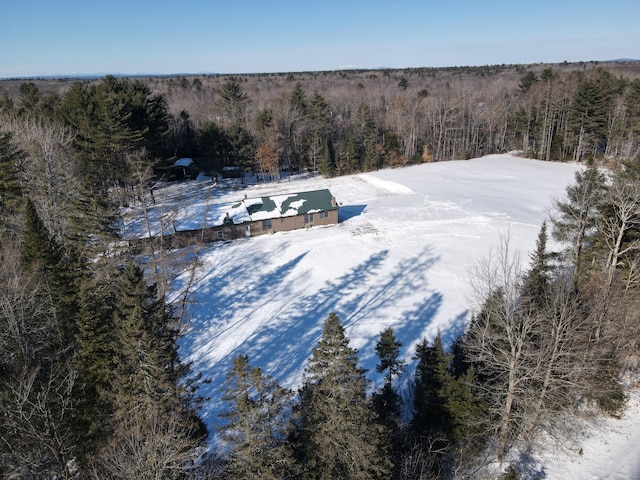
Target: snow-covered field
399, 257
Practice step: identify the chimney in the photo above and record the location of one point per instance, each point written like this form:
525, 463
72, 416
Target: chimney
333, 202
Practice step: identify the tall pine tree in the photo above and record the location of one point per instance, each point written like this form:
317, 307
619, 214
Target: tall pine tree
575, 217
387, 401
153, 429
537, 281
432, 385
257, 424
10, 188
340, 437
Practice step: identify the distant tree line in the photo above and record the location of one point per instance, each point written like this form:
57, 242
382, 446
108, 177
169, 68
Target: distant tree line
345, 122
91, 382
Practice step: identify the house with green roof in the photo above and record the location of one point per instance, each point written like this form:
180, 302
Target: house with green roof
247, 218
259, 215
283, 212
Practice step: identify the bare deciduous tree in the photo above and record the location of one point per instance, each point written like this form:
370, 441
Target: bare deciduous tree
148, 444
37, 381
48, 171
499, 341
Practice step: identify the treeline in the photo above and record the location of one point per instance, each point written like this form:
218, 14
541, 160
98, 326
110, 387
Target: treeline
373, 119
344, 122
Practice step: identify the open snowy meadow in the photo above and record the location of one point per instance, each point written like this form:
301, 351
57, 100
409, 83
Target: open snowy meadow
400, 257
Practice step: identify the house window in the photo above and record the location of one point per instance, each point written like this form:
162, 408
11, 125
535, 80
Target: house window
324, 214
308, 218
220, 234
266, 224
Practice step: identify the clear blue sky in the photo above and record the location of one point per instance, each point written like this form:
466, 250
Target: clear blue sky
60, 37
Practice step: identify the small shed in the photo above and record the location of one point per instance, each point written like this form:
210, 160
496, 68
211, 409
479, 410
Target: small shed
184, 168
231, 172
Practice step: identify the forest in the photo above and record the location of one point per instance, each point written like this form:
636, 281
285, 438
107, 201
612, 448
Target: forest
91, 381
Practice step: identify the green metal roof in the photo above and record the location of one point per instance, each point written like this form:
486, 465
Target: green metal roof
316, 200
288, 205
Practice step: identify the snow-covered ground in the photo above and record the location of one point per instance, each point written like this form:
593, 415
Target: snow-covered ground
609, 450
399, 257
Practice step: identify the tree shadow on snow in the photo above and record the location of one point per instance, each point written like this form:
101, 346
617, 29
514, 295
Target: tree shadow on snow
528, 468
280, 346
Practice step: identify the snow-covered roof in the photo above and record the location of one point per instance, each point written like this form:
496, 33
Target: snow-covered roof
183, 162
202, 214
290, 205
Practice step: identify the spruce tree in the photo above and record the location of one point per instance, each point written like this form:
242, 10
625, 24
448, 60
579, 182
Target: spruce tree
536, 283
257, 424
38, 384
448, 409
388, 350
432, 385
10, 188
95, 356
42, 252
37, 249
146, 363
575, 217
338, 429
233, 102
387, 401
148, 393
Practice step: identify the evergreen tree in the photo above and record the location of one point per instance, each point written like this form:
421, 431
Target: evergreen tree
95, 356
388, 351
241, 147
536, 283
318, 114
144, 342
30, 98
40, 251
338, 431
10, 188
7, 104
632, 104
182, 138
257, 424
432, 385
575, 218
387, 401
113, 118
527, 81
149, 395
447, 408
298, 99
233, 101
38, 385
37, 248
213, 146
589, 113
